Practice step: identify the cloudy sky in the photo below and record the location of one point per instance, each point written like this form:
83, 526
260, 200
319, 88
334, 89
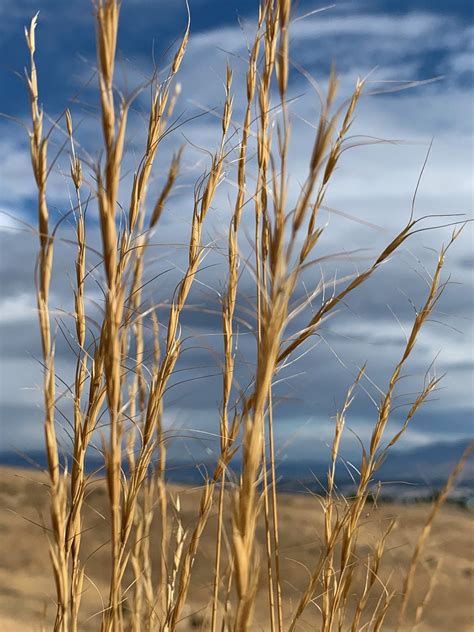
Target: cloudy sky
397, 43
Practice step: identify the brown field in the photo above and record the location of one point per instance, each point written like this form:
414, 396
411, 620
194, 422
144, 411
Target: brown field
27, 591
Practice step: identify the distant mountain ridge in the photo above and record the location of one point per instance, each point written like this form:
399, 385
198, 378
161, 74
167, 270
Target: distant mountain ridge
428, 465
425, 466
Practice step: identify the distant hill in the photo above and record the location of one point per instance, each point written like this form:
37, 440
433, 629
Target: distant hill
431, 463
428, 465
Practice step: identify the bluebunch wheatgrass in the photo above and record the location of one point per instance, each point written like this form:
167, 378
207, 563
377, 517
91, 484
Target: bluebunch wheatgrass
142, 597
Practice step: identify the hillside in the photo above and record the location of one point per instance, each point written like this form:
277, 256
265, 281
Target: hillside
26, 590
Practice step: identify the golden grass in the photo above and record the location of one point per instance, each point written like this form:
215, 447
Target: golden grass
284, 240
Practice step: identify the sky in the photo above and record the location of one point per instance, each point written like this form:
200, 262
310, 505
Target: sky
395, 43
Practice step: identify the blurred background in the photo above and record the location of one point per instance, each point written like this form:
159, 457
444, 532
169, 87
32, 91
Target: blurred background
399, 128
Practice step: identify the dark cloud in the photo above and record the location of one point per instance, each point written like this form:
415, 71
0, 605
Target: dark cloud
365, 331
467, 262
308, 392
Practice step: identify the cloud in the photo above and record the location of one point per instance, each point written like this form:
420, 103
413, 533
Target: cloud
374, 185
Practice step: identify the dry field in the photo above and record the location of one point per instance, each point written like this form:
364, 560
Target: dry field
27, 591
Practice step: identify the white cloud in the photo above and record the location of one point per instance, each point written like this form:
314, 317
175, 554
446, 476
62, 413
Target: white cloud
17, 309
15, 166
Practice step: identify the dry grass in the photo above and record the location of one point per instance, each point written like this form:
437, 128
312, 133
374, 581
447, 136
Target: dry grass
143, 592
27, 592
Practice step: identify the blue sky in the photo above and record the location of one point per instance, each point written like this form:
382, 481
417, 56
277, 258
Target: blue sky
394, 41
